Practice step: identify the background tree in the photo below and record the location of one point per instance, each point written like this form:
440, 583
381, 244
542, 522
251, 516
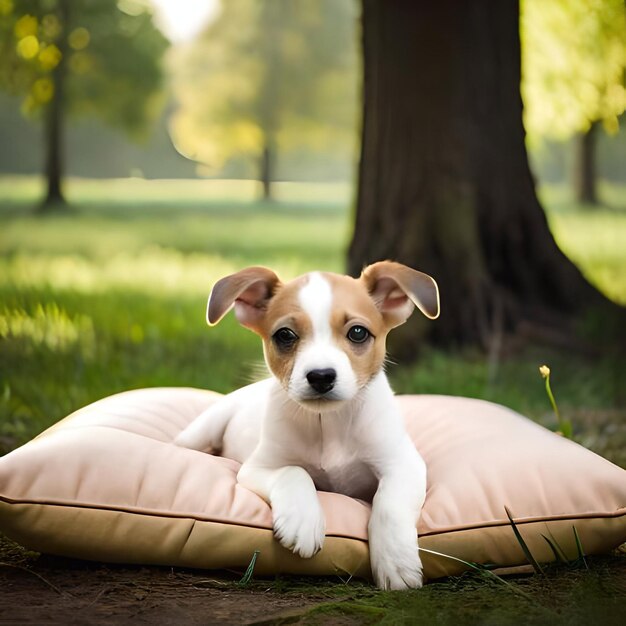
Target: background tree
268, 77
88, 57
444, 182
574, 59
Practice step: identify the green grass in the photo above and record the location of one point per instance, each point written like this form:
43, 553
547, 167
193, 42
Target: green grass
111, 296
593, 237
564, 596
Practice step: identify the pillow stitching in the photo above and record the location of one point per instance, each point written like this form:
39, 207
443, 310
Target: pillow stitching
172, 515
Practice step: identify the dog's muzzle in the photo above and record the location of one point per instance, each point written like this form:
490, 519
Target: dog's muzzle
322, 380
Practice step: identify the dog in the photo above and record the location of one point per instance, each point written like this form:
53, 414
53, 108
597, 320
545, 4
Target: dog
327, 419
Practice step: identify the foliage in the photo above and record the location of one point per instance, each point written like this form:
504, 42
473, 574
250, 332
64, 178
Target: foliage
109, 52
574, 60
112, 296
278, 74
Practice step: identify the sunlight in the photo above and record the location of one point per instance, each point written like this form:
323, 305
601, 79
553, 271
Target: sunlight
49, 326
182, 20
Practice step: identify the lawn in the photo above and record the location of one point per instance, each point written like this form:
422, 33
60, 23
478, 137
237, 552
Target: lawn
112, 296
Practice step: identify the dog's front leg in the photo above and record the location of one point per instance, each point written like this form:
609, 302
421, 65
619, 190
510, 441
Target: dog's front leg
394, 553
298, 518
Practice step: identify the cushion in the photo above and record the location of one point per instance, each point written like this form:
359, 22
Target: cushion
107, 484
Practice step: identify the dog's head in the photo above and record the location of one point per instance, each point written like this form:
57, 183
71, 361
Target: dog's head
324, 334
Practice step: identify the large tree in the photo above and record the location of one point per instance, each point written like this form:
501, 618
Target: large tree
444, 182
268, 77
89, 57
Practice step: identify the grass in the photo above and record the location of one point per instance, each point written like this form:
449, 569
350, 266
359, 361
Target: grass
563, 596
593, 237
112, 296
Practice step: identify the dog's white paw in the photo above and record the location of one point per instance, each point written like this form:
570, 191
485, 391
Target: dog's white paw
299, 525
398, 572
395, 559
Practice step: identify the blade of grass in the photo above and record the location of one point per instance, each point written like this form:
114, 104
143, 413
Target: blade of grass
247, 577
529, 556
559, 557
579, 547
481, 569
471, 564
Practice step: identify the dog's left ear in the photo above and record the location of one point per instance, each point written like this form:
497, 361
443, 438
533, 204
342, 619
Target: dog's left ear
397, 289
249, 291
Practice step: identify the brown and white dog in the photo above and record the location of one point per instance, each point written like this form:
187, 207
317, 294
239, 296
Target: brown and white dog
328, 418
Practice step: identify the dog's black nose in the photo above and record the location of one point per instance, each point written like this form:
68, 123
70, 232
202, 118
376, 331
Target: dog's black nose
322, 380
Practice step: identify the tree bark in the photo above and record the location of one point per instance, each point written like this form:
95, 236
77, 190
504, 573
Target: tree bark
270, 53
54, 126
444, 181
585, 166
267, 170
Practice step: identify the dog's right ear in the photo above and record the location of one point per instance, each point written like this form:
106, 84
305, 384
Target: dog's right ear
248, 290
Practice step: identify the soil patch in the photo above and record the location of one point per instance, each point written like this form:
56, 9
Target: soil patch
49, 590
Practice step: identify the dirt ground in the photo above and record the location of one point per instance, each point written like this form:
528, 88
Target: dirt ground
39, 589
51, 590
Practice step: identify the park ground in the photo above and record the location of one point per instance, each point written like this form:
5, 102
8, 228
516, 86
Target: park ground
111, 296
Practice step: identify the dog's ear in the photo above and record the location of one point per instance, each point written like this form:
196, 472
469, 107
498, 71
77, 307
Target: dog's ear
248, 290
396, 289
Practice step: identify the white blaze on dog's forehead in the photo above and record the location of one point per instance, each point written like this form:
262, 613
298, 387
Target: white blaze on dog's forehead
316, 299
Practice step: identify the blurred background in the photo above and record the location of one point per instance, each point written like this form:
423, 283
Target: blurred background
149, 148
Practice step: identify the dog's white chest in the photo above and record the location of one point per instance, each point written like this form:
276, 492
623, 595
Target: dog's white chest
333, 462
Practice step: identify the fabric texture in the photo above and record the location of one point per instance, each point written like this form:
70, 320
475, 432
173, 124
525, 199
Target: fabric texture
107, 484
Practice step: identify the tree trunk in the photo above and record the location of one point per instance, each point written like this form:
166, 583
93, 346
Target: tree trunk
444, 182
585, 166
54, 126
266, 172
270, 52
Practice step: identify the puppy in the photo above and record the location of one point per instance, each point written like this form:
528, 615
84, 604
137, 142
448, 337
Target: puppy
327, 419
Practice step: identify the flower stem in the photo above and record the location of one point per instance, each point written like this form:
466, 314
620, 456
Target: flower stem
565, 426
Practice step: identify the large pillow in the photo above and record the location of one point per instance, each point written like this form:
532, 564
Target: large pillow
107, 484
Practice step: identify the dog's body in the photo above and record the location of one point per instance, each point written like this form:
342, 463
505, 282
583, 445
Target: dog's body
327, 419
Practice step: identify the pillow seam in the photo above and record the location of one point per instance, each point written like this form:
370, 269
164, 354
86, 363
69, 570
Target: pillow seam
621, 512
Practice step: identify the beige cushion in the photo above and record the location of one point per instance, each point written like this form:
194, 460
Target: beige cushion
107, 484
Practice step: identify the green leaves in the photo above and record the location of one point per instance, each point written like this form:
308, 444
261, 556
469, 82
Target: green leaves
108, 59
574, 58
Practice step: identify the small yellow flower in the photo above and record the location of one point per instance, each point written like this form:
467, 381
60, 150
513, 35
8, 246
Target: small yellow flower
544, 370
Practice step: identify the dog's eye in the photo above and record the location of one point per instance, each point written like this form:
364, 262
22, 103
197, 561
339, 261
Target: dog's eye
285, 338
358, 334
